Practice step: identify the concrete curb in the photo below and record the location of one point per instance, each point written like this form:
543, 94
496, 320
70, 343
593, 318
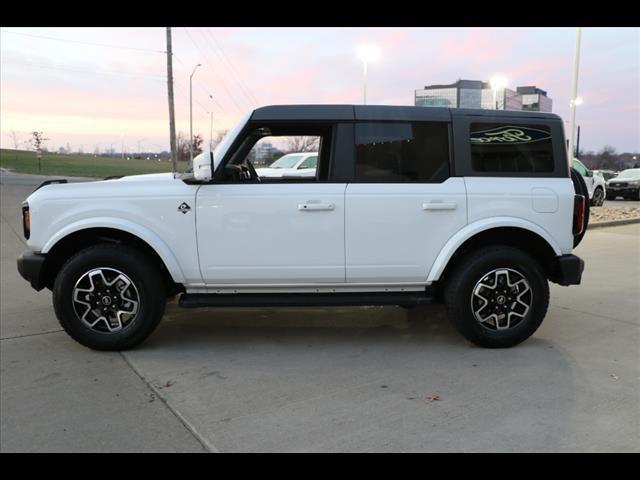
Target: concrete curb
613, 223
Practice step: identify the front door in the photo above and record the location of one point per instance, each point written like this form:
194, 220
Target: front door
271, 231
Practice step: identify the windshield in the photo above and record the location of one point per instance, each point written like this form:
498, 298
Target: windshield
633, 173
288, 161
221, 149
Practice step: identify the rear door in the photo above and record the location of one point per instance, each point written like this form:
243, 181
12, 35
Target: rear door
403, 205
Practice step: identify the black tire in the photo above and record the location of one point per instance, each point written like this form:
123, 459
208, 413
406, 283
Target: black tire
610, 196
478, 265
580, 187
110, 258
598, 197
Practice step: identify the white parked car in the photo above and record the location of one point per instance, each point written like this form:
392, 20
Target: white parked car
409, 206
596, 184
292, 165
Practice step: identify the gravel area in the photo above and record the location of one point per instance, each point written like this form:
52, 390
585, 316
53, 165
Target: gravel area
607, 214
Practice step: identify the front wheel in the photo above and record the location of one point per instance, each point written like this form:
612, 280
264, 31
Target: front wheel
109, 297
598, 198
497, 297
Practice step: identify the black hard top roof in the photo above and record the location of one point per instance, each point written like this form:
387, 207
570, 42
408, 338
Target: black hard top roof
382, 112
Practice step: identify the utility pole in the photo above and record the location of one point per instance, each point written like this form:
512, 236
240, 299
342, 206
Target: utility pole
578, 144
172, 117
574, 95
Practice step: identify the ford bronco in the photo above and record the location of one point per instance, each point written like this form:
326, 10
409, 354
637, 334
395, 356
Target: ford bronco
478, 209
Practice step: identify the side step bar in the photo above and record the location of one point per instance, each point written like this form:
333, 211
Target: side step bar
196, 300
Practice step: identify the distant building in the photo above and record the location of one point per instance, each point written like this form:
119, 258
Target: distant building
535, 99
478, 94
264, 152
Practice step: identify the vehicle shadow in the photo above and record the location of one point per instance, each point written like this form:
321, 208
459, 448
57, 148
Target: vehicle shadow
362, 379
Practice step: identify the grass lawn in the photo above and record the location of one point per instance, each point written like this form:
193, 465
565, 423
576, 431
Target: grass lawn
77, 165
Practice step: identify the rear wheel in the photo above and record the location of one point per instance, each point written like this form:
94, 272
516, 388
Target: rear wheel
109, 297
497, 297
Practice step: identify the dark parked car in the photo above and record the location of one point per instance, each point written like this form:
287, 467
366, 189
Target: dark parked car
626, 184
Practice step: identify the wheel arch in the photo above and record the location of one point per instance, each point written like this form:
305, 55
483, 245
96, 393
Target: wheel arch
517, 233
70, 240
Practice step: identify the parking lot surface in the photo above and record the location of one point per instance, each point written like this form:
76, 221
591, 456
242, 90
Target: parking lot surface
328, 379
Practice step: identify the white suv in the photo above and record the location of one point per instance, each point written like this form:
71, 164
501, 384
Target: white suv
596, 184
407, 206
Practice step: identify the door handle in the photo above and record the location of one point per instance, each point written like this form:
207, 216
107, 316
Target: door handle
439, 206
315, 206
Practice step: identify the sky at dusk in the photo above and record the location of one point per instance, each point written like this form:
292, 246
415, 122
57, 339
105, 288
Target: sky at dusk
96, 95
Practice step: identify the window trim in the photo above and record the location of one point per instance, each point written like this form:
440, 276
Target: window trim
219, 174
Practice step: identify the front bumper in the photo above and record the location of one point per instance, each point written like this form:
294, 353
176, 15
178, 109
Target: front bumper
30, 266
623, 191
567, 270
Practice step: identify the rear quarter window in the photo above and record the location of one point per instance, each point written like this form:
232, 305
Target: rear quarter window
506, 148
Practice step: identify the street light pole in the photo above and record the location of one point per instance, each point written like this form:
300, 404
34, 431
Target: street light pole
211, 125
365, 81
574, 94
211, 132
367, 54
191, 113
497, 83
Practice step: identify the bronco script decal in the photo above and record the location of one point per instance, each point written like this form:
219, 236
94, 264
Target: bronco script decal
508, 135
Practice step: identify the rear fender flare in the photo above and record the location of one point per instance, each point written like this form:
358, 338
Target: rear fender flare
477, 227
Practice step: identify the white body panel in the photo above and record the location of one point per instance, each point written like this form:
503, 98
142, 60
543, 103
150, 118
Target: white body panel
146, 206
271, 233
528, 201
394, 231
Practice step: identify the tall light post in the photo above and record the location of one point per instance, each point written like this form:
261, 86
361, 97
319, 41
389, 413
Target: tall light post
367, 54
574, 94
497, 83
191, 112
211, 128
211, 131
578, 101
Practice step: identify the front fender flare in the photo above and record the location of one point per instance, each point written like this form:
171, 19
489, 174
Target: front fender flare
148, 236
477, 227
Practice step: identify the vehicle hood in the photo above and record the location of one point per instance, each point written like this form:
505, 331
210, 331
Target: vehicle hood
130, 186
148, 177
276, 172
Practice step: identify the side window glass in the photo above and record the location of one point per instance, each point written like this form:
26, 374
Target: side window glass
310, 162
286, 158
511, 148
580, 168
402, 152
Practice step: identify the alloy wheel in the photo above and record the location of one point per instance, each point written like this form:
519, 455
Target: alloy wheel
106, 300
501, 299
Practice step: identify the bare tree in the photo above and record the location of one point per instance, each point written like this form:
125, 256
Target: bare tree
218, 138
37, 142
302, 144
182, 146
14, 140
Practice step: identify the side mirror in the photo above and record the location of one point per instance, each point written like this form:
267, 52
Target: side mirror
203, 167
589, 173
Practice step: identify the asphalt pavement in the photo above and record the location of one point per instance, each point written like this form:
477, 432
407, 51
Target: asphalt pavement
327, 379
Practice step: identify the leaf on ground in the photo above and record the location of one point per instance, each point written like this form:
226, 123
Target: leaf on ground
432, 398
